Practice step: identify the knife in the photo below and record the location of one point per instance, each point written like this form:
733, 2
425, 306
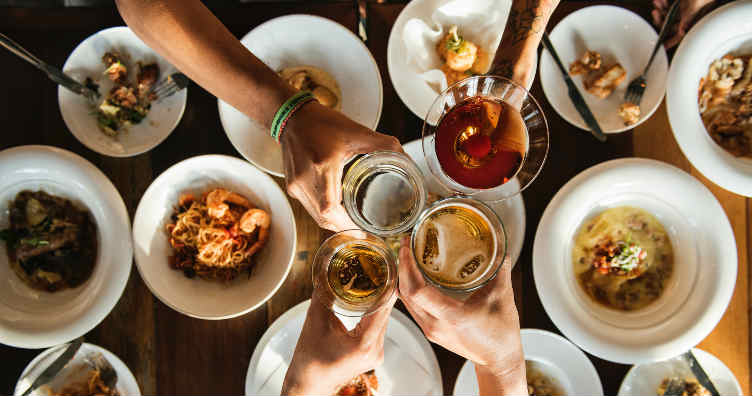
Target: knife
53, 369
53, 73
575, 96
699, 373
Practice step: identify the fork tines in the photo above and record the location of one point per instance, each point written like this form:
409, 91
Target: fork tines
170, 85
635, 90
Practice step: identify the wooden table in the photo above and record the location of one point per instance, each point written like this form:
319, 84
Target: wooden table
170, 353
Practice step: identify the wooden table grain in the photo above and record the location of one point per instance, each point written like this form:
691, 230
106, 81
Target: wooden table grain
170, 353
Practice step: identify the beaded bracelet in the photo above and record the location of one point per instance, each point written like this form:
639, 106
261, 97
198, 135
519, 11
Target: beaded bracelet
286, 111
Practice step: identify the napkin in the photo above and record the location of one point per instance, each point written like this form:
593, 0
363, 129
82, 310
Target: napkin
479, 21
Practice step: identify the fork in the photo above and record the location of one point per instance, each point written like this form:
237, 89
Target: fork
170, 85
635, 90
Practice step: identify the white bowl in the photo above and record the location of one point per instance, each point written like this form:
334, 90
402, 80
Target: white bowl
409, 368
126, 384
724, 30
644, 379
201, 298
86, 61
555, 356
298, 40
511, 211
705, 262
413, 90
619, 35
30, 318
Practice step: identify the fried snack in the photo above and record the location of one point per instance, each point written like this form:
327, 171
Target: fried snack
94, 386
691, 385
630, 113
602, 82
361, 385
461, 57
322, 85
590, 61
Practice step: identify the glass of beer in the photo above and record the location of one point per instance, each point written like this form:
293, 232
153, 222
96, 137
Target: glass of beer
485, 137
459, 244
355, 273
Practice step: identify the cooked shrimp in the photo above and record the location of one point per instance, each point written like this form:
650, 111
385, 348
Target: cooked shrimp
186, 199
216, 202
250, 221
458, 53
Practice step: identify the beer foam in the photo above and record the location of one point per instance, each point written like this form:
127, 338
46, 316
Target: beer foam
456, 246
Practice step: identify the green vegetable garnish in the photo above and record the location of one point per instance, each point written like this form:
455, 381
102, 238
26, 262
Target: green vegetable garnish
456, 41
33, 241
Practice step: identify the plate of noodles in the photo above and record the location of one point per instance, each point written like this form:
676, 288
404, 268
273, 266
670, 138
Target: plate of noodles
214, 237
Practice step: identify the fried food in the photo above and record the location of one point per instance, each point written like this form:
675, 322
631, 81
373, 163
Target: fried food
691, 388
591, 60
94, 386
602, 82
321, 84
461, 57
365, 384
724, 101
630, 113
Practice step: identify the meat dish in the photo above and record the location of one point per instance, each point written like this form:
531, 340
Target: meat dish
51, 243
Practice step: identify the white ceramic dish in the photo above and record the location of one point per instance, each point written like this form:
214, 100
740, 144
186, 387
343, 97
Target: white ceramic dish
31, 318
86, 61
703, 277
409, 368
618, 35
555, 356
725, 30
126, 384
207, 299
644, 379
415, 92
512, 211
297, 40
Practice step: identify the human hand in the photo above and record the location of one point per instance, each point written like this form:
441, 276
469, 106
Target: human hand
327, 355
316, 145
483, 329
687, 15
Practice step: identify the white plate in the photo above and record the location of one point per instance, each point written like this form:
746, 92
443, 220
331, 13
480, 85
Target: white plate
555, 356
646, 378
31, 318
512, 211
126, 384
297, 40
201, 298
413, 90
410, 366
705, 261
726, 29
618, 35
86, 61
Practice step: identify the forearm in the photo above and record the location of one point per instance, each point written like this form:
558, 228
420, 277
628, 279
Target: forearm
506, 381
188, 35
517, 50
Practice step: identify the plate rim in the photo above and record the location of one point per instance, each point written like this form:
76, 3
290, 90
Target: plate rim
320, 19
123, 223
241, 163
121, 29
594, 344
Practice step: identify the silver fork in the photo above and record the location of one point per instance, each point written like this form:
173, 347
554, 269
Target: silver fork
170, 85
635, 90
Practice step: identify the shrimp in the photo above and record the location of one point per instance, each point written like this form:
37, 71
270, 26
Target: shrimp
250, 221
458, 53
216, 202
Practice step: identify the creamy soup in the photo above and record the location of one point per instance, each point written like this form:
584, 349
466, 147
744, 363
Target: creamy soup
623, 258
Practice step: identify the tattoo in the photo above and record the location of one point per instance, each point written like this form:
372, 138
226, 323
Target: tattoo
503, 68
526, 21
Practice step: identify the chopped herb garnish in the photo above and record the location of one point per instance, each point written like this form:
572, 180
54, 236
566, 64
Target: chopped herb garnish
456, 41
35, 242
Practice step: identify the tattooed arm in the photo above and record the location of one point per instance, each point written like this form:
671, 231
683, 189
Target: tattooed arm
516, 53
